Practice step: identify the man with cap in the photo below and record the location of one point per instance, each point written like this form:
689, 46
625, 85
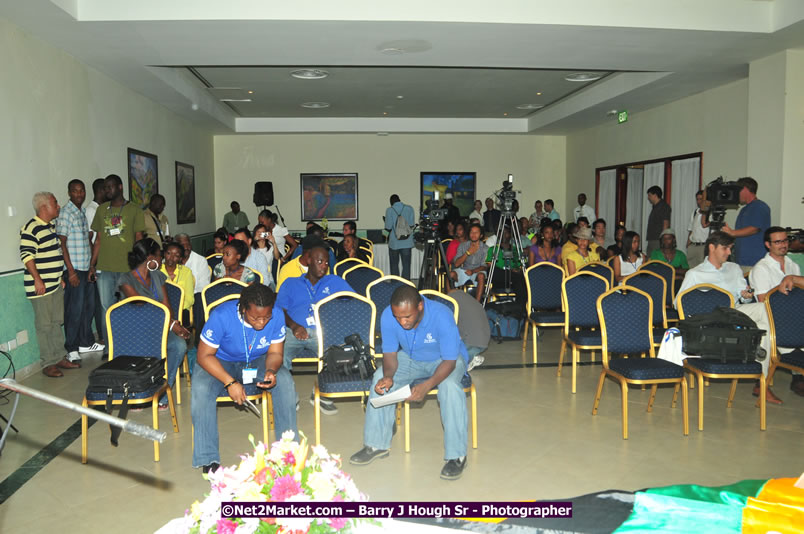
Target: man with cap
668, 253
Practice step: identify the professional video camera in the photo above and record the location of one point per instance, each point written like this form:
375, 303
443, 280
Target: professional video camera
720, 196
430, 221
350, 358
506, 195
795, 234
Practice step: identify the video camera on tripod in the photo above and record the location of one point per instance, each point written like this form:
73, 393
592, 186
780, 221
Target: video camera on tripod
506, 195
720, 196
430, 221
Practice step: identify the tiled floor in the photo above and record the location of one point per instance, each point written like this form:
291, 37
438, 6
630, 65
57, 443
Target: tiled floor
536, 441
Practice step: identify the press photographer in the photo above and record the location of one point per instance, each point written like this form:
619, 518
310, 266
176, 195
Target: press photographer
752, 220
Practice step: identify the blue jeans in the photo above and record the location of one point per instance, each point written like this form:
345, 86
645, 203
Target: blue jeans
297, 347
451, 398
176, 349
79, 309
394, 255
207, 388
474, 351
107, 282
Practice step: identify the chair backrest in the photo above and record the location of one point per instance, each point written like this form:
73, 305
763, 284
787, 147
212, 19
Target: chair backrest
610, 262
258, 274
543, 282
666, 271
786, 317
342, 314
580, 292
344, 265
654, 285
214, 259
446, 300
625, 321
208, 309
175, 294
602, 269
360, 276
221, 288
137, 326
379, 292
702, 298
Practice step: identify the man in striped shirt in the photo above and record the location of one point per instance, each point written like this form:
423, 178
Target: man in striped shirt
40, 252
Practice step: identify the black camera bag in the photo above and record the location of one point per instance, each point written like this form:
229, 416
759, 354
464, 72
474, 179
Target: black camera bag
724, 333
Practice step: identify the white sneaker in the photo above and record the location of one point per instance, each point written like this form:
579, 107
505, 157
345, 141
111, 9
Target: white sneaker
73, 356
95, 347
477, 361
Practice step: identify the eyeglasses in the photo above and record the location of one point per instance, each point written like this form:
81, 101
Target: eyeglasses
778, 242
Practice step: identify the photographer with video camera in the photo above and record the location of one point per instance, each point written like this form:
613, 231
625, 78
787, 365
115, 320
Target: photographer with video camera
752, 221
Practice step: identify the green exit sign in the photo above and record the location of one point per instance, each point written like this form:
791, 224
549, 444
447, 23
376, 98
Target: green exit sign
622, 117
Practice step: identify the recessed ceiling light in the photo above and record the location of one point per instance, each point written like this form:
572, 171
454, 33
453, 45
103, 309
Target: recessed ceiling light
250, 92
309, 74
505, 114
400, 97
315, 105
392, 51
582, 77
538, 94
235, 99
530, 106
385, 113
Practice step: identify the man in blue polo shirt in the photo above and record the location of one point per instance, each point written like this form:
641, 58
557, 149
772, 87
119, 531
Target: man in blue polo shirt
241, 344
296, 299
420, 340
749, 228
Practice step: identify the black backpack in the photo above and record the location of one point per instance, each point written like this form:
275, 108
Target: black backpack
724, 333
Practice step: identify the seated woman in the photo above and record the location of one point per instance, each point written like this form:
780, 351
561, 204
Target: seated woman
546, 248
145, 280
631, 258
242, 343
179, 275
219, 240
231, 266
351, 250
583, 254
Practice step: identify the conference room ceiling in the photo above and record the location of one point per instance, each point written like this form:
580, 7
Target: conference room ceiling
420, 67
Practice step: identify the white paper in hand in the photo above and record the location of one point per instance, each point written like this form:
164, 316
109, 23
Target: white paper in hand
391, 398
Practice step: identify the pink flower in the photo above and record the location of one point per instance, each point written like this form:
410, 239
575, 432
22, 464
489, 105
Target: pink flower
289, 458
335, 522
226, 526
285, 487
259, 478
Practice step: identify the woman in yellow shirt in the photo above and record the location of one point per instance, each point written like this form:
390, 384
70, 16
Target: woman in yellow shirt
583, 255
178, 273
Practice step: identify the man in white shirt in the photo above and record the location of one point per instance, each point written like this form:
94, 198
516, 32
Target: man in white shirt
777, 270
584, 210
718, 271
698, 232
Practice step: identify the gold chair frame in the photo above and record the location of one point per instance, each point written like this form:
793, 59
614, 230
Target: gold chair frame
534, 325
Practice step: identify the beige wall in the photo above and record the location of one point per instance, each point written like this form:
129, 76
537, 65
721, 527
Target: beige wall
713, 122
64, 120
385, 165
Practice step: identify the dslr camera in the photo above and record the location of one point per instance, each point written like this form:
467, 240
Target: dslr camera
352, 357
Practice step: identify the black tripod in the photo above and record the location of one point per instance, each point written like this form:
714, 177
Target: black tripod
516, 244
428, 274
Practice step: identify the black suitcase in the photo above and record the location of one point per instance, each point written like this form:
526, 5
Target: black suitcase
724, 333
126, 375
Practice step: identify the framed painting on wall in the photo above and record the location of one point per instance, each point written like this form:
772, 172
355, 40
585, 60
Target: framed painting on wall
185, 193
143, 177
460, 184
329, 195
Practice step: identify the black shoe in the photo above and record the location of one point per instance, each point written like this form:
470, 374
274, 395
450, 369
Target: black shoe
453, 469
367, 454
214, 466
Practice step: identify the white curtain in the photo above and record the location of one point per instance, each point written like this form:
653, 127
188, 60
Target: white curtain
606, 201
633, 202
654, 175
685, 181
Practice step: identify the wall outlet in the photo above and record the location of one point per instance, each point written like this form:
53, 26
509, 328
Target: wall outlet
12, 344
22, 337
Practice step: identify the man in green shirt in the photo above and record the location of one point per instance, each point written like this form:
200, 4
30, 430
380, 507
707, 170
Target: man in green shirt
118, 225
235, 219
668, 253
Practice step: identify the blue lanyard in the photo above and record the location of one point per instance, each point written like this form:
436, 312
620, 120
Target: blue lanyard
153, 288
246, 346
312, 292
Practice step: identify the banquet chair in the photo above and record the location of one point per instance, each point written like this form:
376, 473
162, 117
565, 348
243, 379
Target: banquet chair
175, 294
440, 297
601, 268
625, 315
610, 262
654, 285
702, 298
370, 254
340, 315
218, 289
786, 329
344, 265
379, 292
581, 324
666, 271
360, 276
545, 305
214, 259
136, 326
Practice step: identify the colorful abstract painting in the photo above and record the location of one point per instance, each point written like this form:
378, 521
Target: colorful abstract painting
329, 196
143, 177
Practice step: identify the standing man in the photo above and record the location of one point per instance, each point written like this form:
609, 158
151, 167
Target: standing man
41, 254
583, 209
453, 213
491, 217
749, 229
79, 292
399, 248
156, 222
549, 210
118, 225
659, 218
235, 219
420, 340
98, 198
698, 232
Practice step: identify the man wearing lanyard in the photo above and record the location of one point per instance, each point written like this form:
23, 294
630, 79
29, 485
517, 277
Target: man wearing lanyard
297, 297
241, 344
420, 340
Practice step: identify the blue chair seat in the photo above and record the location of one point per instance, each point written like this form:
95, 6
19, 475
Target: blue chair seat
793, 358
329, 382
645, 368
466, 381
306, 353
586, 337
709, 365
672, 315
101, 395
547, 317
